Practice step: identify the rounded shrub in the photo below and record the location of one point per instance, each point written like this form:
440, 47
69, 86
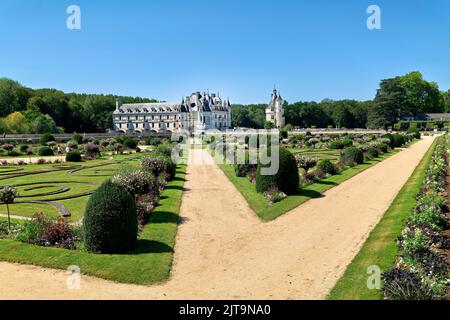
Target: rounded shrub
73, 156
351, 156
391, 139
77, 138
286, 179
23, 148
47, 137
110, 223
398, 140
91, 151
383, 147
373, 152
326, 166
414, 131
130, 143
46, 152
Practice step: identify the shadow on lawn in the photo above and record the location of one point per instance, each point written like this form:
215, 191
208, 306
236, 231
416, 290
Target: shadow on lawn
149, 246
164, 217
328, 183
311, 194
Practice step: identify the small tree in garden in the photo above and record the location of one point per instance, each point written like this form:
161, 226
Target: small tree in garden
7, 196
305, 163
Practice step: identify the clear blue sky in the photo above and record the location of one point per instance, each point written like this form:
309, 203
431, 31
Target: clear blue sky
165, 49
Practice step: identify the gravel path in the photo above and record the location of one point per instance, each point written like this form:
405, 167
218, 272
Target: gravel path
224, 252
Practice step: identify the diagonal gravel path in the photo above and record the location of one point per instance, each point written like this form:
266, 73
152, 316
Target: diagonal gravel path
224, 252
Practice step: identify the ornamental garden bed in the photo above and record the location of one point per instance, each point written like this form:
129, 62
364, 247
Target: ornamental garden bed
138, 207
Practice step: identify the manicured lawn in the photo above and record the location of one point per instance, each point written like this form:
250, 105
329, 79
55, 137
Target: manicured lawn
267, 212
380, 249
150, 263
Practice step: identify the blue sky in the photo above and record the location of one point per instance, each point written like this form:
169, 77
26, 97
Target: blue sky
165, 49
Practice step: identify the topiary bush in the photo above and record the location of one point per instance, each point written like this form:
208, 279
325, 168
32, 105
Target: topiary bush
389, 137
46, 152
130, 143
77, 138
286, 179
373, 152
73, 156
47, 137
327, 167
110, 223
23, 148
91, 151
352, 156
398, 140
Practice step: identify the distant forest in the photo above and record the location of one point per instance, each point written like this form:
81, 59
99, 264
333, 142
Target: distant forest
404, 96
26, 110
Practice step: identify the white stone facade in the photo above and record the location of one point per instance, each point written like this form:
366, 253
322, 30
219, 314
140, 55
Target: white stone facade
275, 110
196, 113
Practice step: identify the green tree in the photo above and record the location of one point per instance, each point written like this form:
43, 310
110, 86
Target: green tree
16, 123
7, 196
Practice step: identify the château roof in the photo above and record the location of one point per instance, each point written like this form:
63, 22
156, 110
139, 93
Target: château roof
205, 102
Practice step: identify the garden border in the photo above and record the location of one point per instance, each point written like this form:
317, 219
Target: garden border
380, 248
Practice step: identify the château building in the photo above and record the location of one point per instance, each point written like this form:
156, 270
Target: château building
275, 110
196, 113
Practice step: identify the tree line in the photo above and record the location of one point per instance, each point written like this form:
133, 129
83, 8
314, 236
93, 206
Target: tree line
407, 96
26, 110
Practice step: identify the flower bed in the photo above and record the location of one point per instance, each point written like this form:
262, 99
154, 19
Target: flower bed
421, 272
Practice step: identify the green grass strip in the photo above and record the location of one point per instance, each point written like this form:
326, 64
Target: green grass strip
150, 263
267, 212
380, 249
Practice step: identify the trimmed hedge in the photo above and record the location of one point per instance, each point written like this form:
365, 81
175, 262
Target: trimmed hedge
46, 152
73, 156
286, 179
110, 223
352, 156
